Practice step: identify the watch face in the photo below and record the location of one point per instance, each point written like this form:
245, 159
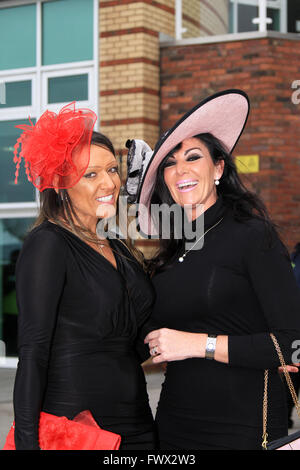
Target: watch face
210, 347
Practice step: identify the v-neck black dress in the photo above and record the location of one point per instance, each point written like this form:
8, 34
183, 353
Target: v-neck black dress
238, 284
79, 323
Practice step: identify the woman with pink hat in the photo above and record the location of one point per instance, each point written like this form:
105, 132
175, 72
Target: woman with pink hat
219, 297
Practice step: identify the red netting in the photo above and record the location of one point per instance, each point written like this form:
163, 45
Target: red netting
56, 150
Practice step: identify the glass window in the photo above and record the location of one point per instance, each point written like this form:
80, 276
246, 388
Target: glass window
9, 192
68, 88
275, 16
246, 13
12, 233
67, 31
247, 10
293, 15
17, 94
17, 37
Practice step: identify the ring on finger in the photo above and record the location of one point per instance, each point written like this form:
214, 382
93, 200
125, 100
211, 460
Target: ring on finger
153, 351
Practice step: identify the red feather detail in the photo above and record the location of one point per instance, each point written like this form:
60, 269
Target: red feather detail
56, 150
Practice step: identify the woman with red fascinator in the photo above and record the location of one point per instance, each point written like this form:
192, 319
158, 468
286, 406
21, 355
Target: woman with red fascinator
82, 300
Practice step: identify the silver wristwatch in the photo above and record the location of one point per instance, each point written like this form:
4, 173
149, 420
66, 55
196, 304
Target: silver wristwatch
210, 346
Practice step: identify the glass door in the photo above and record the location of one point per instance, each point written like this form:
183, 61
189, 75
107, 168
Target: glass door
12, 234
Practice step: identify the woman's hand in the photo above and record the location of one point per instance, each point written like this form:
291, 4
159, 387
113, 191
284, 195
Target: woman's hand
173, 345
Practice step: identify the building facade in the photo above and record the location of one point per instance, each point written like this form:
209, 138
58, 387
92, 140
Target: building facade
140, 64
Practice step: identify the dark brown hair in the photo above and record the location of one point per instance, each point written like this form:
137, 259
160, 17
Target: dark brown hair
243, 203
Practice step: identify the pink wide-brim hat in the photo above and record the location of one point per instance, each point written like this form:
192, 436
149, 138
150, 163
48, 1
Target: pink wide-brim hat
224, 115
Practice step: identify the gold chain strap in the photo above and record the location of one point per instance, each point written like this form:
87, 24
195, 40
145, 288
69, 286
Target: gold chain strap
265, 411
265, 400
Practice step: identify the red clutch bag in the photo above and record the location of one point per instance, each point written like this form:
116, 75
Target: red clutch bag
60, 433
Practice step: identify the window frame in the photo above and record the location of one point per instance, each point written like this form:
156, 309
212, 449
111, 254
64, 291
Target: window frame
18, 3
280, 5
69, 72
15, 112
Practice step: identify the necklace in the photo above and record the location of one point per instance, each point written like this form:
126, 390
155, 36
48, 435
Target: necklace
101, 246
181, 259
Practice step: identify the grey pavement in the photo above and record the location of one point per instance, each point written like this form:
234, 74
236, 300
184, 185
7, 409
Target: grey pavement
154, 380
7, 377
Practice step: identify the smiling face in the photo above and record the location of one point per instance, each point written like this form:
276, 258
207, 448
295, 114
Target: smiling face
96, 194
190, 175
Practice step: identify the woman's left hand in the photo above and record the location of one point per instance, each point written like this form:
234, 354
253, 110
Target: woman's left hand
292, 368
173, 345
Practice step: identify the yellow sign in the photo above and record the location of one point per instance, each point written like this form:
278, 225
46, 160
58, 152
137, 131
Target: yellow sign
247, 163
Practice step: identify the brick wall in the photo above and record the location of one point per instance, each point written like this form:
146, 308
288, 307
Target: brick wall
129, 67
205, 17
265, 69
129, 52
129, 74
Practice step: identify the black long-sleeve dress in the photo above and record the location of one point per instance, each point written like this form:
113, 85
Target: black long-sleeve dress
233, 286
79, 320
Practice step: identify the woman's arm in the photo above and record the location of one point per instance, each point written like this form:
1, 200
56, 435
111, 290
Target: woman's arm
173, 345
270, 273
273, 282
40, 276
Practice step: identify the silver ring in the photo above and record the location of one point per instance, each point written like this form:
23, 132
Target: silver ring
153, 351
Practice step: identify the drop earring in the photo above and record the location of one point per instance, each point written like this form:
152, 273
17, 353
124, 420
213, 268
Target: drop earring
217, 182
63, 196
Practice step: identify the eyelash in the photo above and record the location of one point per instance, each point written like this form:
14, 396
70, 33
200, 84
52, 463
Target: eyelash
88, 175
191, 158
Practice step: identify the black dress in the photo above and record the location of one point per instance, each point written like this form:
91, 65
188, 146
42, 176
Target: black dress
232, 286
79, 321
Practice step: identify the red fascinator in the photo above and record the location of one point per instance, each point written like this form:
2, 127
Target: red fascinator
56, 150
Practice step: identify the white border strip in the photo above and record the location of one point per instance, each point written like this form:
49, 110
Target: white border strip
8, 362
18, 3
230, 37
